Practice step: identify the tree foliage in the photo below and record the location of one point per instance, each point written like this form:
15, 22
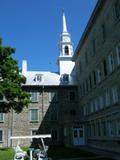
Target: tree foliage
12, 95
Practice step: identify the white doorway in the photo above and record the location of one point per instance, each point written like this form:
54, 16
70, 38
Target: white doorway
78, 136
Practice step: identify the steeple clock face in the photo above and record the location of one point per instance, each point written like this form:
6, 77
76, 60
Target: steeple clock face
66, 39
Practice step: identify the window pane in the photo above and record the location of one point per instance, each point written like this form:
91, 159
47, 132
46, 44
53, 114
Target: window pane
98, 75
117, 9
54, 135
38, 78
105, 67
1, 117
53, 96
34, 114
118, 54
34, 132
72, 96
34, 96
93, 46
81, 133
103, 32
107, 98
114, 95
111, 63
66, 78
118, 127
54, 113
1, 135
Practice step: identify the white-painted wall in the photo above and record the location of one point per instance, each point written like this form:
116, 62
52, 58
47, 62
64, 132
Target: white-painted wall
66, 67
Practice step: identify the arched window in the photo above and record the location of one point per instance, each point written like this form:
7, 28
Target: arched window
66, 50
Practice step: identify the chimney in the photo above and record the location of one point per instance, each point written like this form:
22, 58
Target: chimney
24, 67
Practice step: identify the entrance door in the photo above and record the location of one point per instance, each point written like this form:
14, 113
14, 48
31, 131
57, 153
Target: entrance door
78, 136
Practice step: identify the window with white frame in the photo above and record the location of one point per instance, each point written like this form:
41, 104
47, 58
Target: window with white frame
54, 113
118, 127
103, 29
38, 78
34, 132
114, 93
101, 102
107, 98
65, 78
87, 108
93, 44
92, 106
93, 129
1, 135
105, 69
80, 91
83, 86
111, 128
34, 115
90, 81
117, 9
103, 128
98, 75
53, 96
118, 54
54, 134
72, 96
94, 77
86, 85
86, 57
89, 130
96, 101
84, 110
65, 132
80, 66
98, 128
2, 117
111, 62
34, 96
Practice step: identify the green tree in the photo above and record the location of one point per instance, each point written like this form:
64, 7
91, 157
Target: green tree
12, 95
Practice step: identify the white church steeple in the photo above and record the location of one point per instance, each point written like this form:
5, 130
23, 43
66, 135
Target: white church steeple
64, 23
66, 50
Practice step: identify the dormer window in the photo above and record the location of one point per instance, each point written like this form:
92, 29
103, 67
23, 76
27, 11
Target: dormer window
65, 78
66, 50
38, 78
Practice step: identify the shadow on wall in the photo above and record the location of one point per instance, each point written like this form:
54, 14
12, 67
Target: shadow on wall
51, 123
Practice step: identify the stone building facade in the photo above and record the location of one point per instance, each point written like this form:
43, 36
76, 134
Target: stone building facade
97, 60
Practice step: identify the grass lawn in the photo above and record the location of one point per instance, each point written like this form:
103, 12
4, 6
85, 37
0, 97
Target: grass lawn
6, 154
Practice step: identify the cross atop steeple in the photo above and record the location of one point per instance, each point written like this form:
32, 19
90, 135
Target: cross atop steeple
64, 23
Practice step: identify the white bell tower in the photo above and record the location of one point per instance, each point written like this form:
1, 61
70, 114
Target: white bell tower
66, 51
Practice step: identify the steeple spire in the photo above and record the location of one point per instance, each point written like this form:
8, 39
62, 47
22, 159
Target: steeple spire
64, 23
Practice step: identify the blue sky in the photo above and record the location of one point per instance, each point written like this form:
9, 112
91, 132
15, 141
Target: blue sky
33, 27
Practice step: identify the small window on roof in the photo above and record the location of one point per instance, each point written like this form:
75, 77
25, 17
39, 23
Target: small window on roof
65, 78
38, 78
